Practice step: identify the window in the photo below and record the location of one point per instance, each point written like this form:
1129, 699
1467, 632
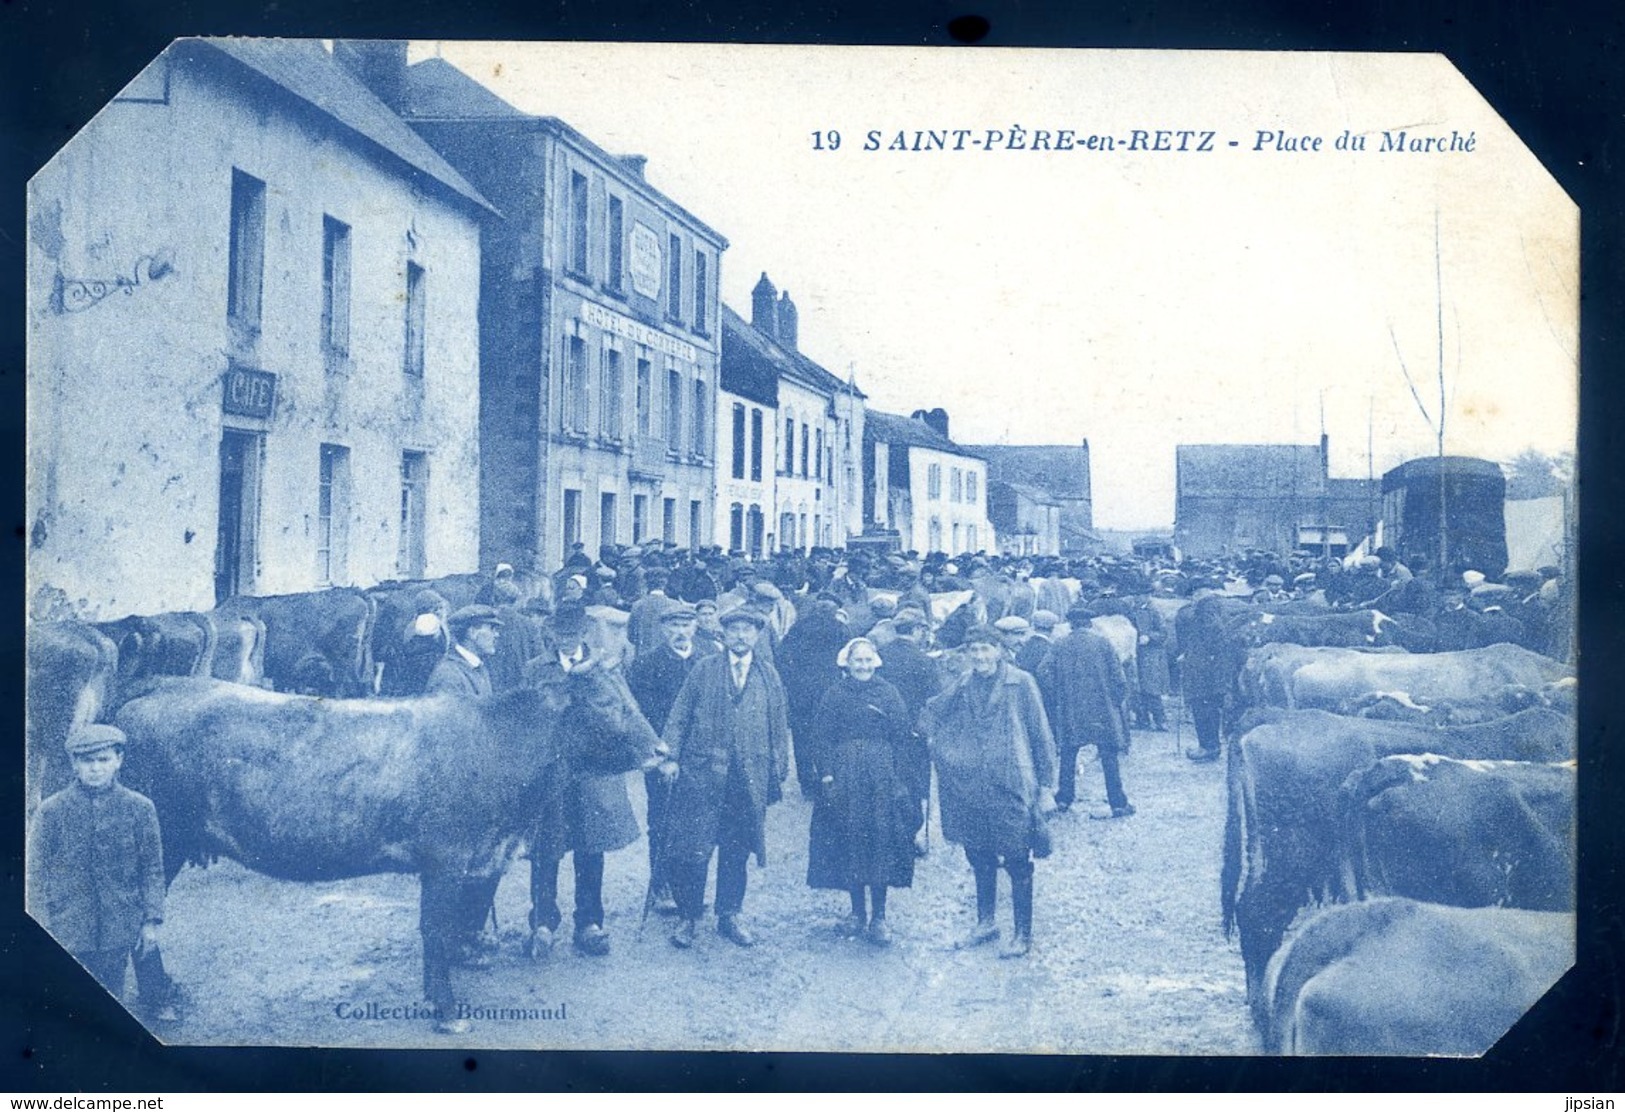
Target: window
789, 445
576, 395
805, 539
739, 442
572, 518
668, 520
696, 536
247, 253
933, 481
818, 455
787, 531
674, 410
609, 396
415, 294
646, 388
335, 286
970, 539
736, 527
412, 558
640, 517
970, 488
956, 485
934, 532
805, 441
755, 445
616, 235
332, 514
829, 466
956, 538
578, 223
606, 521
674, 279
700, 307
701, 408
818, 529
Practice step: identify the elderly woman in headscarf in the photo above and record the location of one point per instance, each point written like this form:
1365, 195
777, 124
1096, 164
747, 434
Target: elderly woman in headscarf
863, 823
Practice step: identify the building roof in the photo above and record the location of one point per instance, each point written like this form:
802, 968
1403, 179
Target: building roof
305, 70
749, 367
1249, 470
1060, 469
439, 92
1454, 467
893, 428
436, 89
1036, 495
757, 353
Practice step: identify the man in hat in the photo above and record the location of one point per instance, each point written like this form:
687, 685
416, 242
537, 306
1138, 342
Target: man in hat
655, 679
1013, 631
1032, 653
729, 737
463, 670
1084, 688
1389, 567
95, 871
1273, 590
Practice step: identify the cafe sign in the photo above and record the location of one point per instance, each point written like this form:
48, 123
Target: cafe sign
249, 393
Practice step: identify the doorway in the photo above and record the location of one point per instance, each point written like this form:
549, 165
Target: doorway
236, 546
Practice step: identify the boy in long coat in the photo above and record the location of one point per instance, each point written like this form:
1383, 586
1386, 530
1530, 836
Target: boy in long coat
729, 738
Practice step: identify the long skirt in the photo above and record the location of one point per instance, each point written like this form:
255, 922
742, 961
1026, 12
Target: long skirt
864, 822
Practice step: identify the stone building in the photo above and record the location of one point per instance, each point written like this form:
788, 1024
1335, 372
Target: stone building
918, 482
1026, 519
1060, 472
747, 438
1276, 497
819, 422
253, 296
600, 333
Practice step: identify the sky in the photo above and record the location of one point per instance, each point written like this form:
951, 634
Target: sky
1139, 299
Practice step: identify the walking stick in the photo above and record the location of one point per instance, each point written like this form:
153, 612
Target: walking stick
1179, 719
658, 867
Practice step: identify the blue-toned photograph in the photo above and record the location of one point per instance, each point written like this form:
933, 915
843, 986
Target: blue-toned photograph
720, 547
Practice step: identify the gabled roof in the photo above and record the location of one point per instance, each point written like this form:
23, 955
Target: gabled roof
1036, 495
436, 89
1248, 470
749, 368
757, 353
894, 428
1062, 470
306, 71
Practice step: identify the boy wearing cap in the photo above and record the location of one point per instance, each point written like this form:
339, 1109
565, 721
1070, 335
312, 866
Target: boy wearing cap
96, 871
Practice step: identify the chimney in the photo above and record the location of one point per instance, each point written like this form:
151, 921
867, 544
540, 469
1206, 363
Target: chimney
379, 64
764, 310
935, 419
634, 162
787, 321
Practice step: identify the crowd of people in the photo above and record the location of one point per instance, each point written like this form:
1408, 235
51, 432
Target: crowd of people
863, 672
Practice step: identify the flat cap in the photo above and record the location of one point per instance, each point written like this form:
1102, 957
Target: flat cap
750, 617
93, 739
680, 613
1012, 623
1045, 620
609, 615
465, 617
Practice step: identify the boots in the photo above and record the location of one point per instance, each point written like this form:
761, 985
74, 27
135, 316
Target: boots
1021, 899
987, 897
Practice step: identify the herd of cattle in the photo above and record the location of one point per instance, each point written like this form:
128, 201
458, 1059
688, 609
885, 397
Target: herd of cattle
1399, 846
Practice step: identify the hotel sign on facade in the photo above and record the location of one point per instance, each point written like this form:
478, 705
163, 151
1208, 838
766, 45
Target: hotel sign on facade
644, 262
617, 325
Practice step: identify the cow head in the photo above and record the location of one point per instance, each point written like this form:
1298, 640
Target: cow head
602, 728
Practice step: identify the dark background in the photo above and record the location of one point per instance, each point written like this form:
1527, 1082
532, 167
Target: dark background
1554, 74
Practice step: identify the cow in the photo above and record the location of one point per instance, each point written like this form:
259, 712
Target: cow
1284, 781
180, 644
1354, 629
1467, 833
72, 673
1326, 678
304, 788
1398, 977
239, 649
335, 624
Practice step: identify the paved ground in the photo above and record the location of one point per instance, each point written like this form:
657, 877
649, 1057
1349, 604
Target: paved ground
1128, 953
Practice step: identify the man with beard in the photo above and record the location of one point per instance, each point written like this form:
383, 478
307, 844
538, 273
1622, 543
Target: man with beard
655, 679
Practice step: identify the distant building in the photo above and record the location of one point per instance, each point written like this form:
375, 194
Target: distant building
819, 426
747, 437
1275, 497
600, 333
1061, 472
1026, 519
918, 482
252, 340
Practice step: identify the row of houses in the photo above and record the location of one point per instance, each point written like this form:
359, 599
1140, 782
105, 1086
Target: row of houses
305, 315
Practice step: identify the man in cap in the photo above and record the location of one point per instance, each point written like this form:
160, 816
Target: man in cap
1032, 652
1273, 590
729, 737
1013, 631
463, 670
95, 871
655, 679
1084, 688
1389, 567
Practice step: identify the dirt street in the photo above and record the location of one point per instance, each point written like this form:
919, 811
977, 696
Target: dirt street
1128, 954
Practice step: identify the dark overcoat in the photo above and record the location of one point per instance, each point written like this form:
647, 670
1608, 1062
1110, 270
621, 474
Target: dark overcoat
917, 678
993, 751
863, 824
453, 675
708, 730
1084, 687
597, 810
95, 867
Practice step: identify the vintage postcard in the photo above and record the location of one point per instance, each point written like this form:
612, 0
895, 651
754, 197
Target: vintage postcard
703, 547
